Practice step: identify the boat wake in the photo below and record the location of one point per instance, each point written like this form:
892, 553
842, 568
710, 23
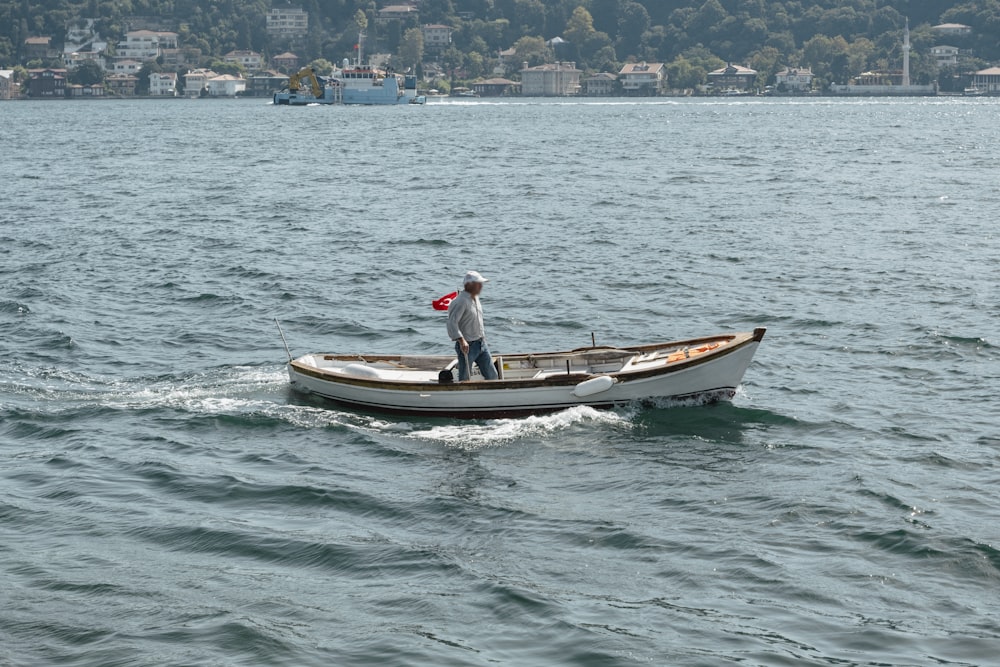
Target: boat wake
499, 432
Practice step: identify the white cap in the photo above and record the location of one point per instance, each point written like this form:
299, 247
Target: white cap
474, 277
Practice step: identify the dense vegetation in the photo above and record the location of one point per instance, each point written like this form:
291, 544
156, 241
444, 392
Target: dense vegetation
836, 38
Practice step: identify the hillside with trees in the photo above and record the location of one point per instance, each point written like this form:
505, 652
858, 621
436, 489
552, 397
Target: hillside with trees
835, 38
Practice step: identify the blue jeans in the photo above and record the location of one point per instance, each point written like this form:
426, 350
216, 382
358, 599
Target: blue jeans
479, 354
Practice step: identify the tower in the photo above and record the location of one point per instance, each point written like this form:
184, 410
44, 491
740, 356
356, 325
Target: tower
906, 54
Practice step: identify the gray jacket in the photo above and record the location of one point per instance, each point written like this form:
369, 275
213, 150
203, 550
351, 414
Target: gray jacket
465, 318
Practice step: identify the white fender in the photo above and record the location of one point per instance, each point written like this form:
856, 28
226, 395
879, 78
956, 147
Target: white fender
593, 386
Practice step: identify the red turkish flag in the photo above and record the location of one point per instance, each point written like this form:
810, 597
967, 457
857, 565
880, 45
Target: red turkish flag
444, 302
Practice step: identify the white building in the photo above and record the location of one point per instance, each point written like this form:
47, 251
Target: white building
251, 60
987, 80
8, 89
642, 78
946, 56
436, 36
284, 22
126, 67
794, 79
145, 44
77, 58
163, 84
550, 80
226, 85
197, 80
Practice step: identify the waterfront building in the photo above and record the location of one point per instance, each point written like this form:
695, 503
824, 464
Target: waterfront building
47, 83
163, 84
602, 84
122, 85
8, 87
497, 87
226, 85
196, 81
642, 78
91, 90
251, 60
987, 80
794, 79
436, 36
550, 80
732, 78
265, 84
887, 83
287, 22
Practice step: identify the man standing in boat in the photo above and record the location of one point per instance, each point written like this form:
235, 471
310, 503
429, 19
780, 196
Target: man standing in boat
466, 328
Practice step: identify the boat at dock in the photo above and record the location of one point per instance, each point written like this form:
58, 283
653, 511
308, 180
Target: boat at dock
701, 370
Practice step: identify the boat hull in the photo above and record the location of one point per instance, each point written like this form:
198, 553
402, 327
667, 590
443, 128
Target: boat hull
710, 378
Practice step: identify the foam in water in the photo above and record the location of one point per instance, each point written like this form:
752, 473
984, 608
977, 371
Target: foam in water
493, 433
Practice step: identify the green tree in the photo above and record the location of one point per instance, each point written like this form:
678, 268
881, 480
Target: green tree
532, 50
223, 67
579, 27
142, 85
87, 73
361, 20
322, 66
633, 21
411, 48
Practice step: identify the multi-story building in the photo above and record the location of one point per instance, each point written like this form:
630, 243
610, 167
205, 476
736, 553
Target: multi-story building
732, 78
642, 78
436, 36
163, 84
987, 80
145, 44
251, 60
286, 61
794, 79
287, 22
946, 56
8, 87
602, 84
122, 85
196, 81
550, 80
47, 83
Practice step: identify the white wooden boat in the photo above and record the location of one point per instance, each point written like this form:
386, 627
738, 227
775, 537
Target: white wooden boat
702, 370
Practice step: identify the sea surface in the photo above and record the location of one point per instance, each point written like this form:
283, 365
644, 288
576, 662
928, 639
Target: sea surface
166, 499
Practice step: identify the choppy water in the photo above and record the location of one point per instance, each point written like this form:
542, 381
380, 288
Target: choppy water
165, 499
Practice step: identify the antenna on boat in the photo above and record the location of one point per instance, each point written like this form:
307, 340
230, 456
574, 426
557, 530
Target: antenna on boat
285, 342
593, 341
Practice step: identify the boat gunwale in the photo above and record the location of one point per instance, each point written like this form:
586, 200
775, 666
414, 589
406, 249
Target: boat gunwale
740, 340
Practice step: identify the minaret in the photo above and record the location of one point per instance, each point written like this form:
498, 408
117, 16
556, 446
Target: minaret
906, 54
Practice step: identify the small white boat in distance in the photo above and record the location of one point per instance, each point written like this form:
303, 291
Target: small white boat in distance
702, 370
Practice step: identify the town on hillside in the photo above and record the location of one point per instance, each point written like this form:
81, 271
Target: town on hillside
471, 48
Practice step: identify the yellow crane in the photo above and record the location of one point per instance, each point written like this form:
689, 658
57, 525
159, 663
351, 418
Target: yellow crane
308, 74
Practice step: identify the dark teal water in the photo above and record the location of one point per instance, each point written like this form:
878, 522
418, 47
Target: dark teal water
166, 500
